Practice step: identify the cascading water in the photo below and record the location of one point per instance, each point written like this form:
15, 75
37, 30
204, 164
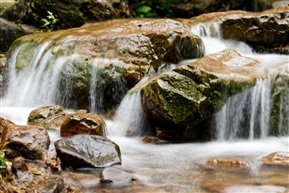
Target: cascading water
172, 167
245, 115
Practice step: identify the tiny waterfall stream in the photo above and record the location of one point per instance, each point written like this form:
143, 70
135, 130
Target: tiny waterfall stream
172, 167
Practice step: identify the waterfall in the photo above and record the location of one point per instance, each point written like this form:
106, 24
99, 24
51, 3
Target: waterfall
245, 115
213, 41
36, 84
129, 119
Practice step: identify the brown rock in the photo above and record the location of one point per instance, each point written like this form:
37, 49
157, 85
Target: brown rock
27, 141
85, 123
227, 163
50, 117
50, 158
265, 31
276, 158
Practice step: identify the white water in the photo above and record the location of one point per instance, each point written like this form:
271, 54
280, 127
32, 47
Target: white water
171, 167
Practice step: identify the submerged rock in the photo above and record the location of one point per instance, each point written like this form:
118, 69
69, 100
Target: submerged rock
117, 177
83, 124
276, 158
227, 163
30, 142
178, 100
87, 151
50, 117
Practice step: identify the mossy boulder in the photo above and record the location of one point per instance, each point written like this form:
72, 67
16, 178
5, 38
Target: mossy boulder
107, 58
180, 100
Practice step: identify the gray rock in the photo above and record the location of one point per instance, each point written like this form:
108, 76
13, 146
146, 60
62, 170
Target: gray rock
87, 151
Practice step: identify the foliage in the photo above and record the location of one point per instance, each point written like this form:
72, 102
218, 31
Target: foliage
4, 175
50, 21
150, 9
3, 159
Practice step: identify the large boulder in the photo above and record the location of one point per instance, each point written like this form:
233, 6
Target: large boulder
87, 151
106, 58
178, 100
85, 123
30, 142
266, 31
69, 13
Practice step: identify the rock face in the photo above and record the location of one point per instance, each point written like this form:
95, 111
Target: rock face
30, 142
266, 31
9, 32
83, 124
87, 151
180, 99
69, 13
107, 58
50, 117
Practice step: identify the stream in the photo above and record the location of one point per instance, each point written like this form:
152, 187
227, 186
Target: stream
183, 167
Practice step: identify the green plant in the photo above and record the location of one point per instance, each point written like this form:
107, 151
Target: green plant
151, 9
50, 21
3, 160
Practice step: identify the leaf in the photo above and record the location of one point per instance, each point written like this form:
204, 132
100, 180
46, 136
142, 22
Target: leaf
143, 9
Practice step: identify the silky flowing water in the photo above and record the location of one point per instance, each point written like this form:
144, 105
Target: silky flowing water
171, 167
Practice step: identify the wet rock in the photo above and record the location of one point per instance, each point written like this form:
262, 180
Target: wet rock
116, 176
34, 177
9, 32
268, 29
153, 140
266, 32
19, 165
83, 181
50, 159
87, 151
107, 58
69, 14
83, 124
179, 100
227, 163
52, 184
276, 158
30, 142
50, 117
